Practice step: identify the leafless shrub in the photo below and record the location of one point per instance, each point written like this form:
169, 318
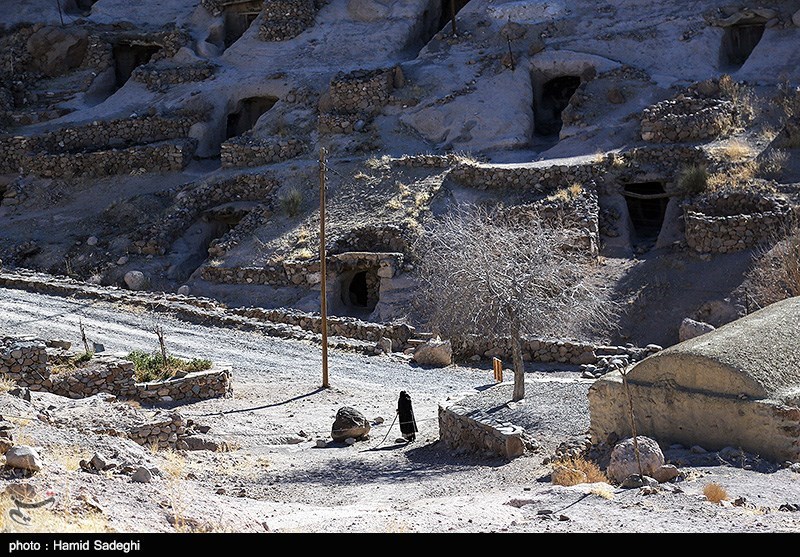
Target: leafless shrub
775, 274
742, 96
481, 272
577, 470
715, 493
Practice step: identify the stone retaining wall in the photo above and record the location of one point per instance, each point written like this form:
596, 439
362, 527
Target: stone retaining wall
285, 19
194, 198
103, 374
248, 151
198, 385
545, 179
166, 156
361, 91
163, 431
25, 362
370, 237
725, 222
468, 430
158, 76
253, 220
687, 118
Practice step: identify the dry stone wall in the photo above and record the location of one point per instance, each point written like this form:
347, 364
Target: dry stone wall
354, 99
158, 77
27, 363
468, 430
686, 118
285, 19
725, 222
193, 199
248, 151
544, 179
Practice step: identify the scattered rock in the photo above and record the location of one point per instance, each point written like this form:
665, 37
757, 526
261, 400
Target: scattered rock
350, 441
135, 280
142, 475
21, 491
122, 260
384, 345
184, 290
796, 18
435, 352
91, 241
378, 420
349, 422
512, 31
690, 328
697, 449
202, 442
623, 462
321, 443
5, 445
21, 392
615, 96
666, 473
59, 343
24, 458
99, 461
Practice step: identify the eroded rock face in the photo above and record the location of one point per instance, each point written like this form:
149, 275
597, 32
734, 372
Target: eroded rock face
349, 423
56, 50
624, 463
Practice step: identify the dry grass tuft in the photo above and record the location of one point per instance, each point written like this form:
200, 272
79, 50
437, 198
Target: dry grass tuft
577, 470
7, 384
735, 150
567, 194
715, 493
602, 490
68, 456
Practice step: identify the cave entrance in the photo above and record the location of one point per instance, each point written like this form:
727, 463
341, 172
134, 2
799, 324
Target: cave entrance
246, 114
238, 18
551, 102
647, 205
128, 57
3, 190
360, 290
738, 42
448, 7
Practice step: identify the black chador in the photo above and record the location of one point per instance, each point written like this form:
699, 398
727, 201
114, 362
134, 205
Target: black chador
408, 425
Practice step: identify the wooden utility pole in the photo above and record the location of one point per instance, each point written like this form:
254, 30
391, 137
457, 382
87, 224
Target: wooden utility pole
453, 15
60, 14
323, 268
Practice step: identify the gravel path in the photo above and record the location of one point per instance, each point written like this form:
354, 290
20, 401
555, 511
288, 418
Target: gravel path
378, 485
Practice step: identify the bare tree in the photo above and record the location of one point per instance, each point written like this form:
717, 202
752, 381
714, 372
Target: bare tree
484, 272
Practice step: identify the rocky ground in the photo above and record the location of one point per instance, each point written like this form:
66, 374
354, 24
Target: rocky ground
285, 474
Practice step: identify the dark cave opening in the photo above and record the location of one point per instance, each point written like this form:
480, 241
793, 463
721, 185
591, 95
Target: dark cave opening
128, 57
551, 102
246, 114
360, 290
238, 18
79, 7
738, 42
647, 205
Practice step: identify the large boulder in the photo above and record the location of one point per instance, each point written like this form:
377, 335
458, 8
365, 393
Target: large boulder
435, 352
136, 280
624, 463
349, 422
23, 457
690, 328
54, 50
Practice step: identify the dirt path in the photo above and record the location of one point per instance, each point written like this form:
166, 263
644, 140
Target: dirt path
279, 480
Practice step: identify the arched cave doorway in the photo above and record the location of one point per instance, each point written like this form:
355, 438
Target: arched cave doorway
246, 114
360, 290
738, 42
550, 102
128, 56
238, 18
647, 205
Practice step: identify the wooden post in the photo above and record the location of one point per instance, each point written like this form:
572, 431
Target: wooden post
453, 15
510, 55
323, 268
498, 369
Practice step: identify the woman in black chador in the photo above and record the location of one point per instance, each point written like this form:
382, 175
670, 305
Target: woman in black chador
408, 425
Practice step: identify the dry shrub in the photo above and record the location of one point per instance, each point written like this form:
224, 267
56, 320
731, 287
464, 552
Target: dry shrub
693, 180
567, 194
577, 470
734, 150
6, 384
742, 96
775, 274
715, 493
